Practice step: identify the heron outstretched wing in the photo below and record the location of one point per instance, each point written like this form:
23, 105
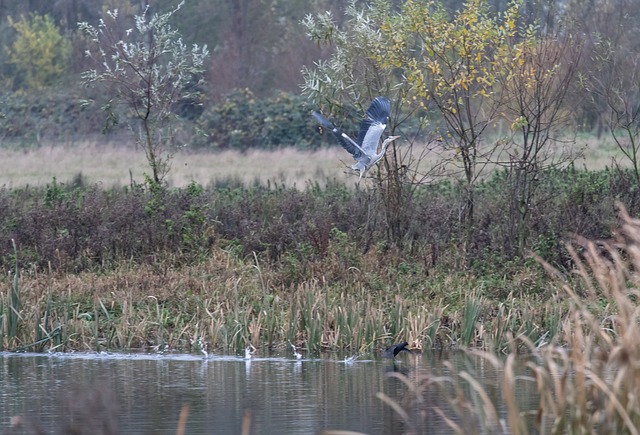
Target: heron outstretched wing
373, 125
347, 143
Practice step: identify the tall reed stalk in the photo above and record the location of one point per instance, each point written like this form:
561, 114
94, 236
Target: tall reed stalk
11, 314
471, 312
310, 319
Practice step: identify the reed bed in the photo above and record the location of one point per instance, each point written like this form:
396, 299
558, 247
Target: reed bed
226, 303
586, 376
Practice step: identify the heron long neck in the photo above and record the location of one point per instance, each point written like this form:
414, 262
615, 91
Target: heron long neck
383, 149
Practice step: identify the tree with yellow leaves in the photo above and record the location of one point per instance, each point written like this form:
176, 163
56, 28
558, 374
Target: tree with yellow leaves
428, 57
454, 62
40, 53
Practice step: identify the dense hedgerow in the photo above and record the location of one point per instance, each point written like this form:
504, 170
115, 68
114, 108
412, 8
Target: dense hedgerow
31, 118
73, 228
242, 121
237, 121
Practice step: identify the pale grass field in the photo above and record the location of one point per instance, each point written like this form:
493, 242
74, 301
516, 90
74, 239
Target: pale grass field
113, 165
117, 165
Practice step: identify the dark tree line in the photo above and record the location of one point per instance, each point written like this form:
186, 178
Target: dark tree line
261, 45
256, 44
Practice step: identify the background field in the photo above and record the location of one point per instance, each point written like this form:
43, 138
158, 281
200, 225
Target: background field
115, 164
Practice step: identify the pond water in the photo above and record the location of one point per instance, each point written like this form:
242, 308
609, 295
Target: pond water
145, 394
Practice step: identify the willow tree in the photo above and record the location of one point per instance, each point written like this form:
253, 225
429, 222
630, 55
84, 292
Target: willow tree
146, 70
471, 70
434, 61
453, 62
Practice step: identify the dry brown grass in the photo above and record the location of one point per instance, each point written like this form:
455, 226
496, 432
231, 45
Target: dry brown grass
115, 164
224, 304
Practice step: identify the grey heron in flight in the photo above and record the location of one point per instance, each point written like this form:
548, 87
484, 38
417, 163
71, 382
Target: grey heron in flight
365, 149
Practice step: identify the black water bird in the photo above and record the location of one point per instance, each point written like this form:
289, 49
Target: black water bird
365, 149
393, 351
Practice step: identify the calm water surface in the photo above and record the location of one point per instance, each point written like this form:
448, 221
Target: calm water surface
144, 394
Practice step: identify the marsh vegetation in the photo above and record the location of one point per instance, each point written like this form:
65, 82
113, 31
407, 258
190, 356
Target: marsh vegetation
228, 265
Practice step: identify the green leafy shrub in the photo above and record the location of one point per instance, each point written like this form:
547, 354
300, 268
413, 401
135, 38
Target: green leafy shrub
241, 121
39, 53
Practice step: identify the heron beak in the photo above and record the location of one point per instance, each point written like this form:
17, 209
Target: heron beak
393, 138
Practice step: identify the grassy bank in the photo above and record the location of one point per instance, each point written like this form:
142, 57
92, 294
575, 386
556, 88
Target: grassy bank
228, 304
